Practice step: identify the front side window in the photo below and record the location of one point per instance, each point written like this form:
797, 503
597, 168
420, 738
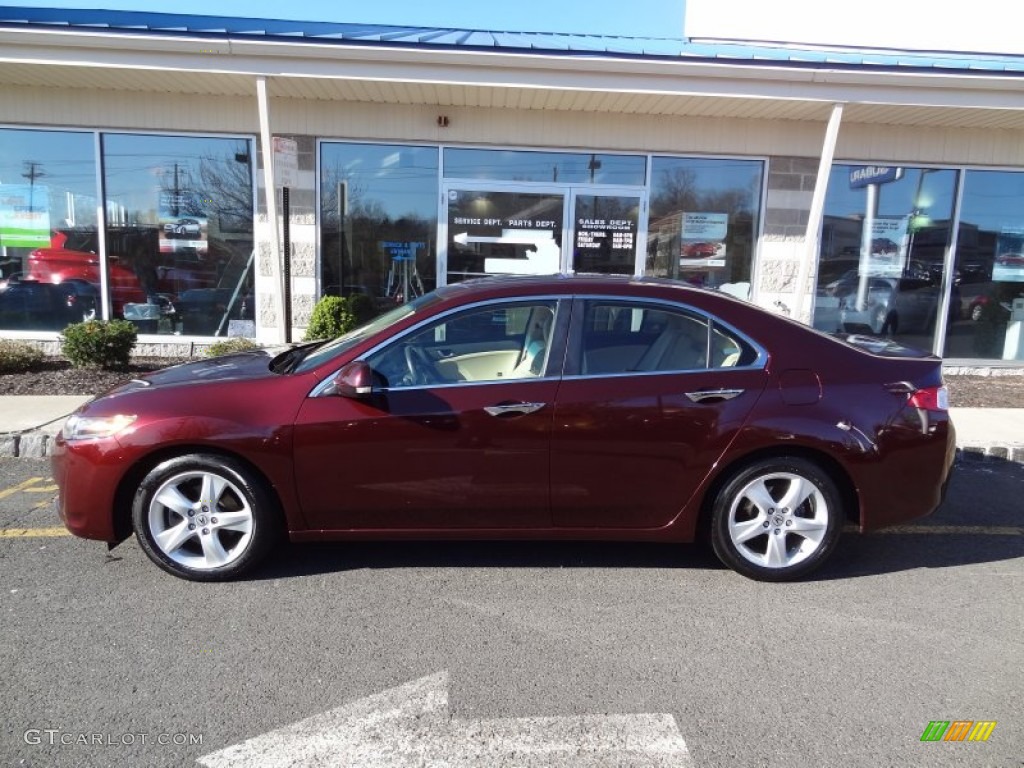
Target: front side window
486, 344
624, 338
179, 218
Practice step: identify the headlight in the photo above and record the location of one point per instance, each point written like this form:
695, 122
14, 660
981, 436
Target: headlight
92, 427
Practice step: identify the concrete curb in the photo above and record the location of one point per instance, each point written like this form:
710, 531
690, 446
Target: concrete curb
977, 453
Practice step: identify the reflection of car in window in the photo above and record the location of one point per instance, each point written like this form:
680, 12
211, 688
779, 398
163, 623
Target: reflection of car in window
61, 263
1010, 260
183, 228
33, 305
906, 304
700, 250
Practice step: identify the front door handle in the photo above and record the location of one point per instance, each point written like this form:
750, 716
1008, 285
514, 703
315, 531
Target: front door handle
705, 395
513, 409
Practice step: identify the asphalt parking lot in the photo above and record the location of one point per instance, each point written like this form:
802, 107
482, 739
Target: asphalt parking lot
470, 654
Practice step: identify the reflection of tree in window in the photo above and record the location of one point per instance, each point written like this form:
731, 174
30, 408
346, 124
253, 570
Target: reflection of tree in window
714, 186
369, 195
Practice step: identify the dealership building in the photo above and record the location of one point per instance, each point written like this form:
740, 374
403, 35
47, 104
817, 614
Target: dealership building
207, 177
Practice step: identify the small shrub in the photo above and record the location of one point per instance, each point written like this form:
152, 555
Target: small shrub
332, 316
99, 344
363, 307
18, 356
231, 346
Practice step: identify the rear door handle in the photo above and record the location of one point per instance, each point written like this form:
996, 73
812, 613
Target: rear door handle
513, 409
704, 395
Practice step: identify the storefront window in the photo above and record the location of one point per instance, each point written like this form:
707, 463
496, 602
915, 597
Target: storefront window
378, 214
884, 240
179, 216
49, 274
546, 167
990, 267
704, 220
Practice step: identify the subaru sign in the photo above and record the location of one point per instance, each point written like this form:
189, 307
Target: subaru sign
863, 175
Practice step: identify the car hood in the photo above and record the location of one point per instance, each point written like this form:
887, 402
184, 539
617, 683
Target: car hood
242, 365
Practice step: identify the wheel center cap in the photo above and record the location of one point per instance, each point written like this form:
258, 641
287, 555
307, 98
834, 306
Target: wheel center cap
201, 519
778, 519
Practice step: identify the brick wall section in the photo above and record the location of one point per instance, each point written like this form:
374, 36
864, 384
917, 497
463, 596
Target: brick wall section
790, 188
302, 202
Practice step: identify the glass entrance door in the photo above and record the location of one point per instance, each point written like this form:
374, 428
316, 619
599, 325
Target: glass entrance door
531, 229
502, 231
606, 232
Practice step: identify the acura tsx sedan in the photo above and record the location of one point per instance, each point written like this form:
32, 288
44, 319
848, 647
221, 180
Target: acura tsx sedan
520, 408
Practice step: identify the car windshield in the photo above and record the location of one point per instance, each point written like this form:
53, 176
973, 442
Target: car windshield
347, 341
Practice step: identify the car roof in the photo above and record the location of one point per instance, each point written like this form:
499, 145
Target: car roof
566, 284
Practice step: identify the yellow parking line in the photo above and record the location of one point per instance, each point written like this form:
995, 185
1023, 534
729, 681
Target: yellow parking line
20, 487
42, 489
33, 533
972, 530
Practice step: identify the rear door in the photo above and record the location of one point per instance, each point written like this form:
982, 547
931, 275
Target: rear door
652, 395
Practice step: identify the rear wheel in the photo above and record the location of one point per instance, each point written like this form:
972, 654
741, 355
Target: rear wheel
777, 519
204, 518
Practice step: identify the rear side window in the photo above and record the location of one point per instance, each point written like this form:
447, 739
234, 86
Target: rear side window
638, 337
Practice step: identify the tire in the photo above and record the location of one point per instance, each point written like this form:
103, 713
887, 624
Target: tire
755, 535
204, 541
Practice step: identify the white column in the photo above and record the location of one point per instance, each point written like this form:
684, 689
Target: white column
828, 152
270, 192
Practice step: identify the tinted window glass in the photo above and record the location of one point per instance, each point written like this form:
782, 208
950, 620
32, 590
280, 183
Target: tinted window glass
704, 220
48, 210
883, 247
556, 167
624, 337
989, 266
180, 233
378, 214
620, 337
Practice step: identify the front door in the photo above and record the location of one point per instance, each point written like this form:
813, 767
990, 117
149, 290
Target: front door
456, 435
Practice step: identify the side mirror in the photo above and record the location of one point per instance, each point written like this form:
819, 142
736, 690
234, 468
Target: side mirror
354, 380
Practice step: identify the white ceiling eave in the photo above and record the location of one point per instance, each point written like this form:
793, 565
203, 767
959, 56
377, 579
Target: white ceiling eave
467, 78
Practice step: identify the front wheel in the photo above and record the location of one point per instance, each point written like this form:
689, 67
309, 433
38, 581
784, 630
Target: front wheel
777, 519
204, 518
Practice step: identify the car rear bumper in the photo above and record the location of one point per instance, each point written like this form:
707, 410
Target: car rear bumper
912, 479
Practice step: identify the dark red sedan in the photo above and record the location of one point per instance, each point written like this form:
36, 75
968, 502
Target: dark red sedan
520, 408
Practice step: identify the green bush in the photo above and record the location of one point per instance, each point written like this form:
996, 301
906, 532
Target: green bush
363, 307
99, 344
231, 346
18, 356
332, 316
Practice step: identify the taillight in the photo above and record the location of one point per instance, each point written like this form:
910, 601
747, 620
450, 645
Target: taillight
930, 399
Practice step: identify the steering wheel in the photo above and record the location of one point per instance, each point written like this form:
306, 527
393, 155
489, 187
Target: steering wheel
421, 369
